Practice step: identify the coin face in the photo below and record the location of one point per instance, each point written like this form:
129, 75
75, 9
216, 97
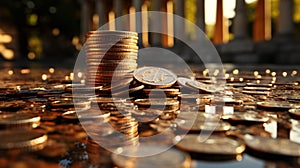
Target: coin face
155, 76
212, 145
273, 146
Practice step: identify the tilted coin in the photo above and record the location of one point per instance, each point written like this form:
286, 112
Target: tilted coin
202, 86
155, 76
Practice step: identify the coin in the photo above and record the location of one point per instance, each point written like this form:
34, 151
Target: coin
257, 88
165, 92
279, 146
255, 92
246, 117
212, 145
202, 86
155, 76
19, 120
278, 105
160, 159
22, 139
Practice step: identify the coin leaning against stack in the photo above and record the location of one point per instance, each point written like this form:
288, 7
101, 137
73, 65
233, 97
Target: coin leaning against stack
110, 57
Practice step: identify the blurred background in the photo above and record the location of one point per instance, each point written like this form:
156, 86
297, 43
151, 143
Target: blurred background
243, 31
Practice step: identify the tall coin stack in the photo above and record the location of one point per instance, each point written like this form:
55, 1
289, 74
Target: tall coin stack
111, 58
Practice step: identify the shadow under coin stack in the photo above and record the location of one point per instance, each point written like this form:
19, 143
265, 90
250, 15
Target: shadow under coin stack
111, 59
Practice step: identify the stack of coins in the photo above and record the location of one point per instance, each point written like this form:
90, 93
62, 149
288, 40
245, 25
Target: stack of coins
159, 102
111, 58
116, 130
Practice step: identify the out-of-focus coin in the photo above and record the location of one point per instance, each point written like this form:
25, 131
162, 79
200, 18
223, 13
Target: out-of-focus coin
278, 105
22, 139
161, 159
259, 84
198, 125
295, 113
257, 88
255, 92
246, 117
211, 145
202, 86
155, 76
19, 120
279, 146
160, 93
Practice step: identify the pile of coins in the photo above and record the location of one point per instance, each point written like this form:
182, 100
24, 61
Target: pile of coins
117, 129
111, 58
157, 104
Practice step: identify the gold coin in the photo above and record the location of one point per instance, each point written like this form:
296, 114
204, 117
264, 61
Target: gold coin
279, 105
19, 120
212, 145
161, 159
155, 76
202, 86
22, 139
278, 146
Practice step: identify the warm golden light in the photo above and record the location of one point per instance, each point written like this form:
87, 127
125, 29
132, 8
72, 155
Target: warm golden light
51, 70
5, 38
96, 21
80, 74
10, 72
31, 55
111, 20
255, 73
71, 76
75, 40
44, 77
294, 73
132, 19
8, 54
145, 37
227, 76
235, 72
170, 24
273, 73
284, 74
268, 71
55, 32
25, 71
